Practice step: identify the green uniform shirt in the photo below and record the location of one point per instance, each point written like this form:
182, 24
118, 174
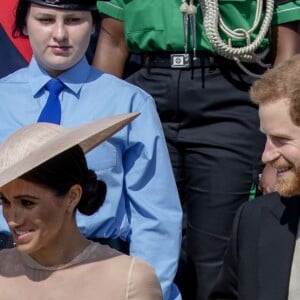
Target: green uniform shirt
156, 25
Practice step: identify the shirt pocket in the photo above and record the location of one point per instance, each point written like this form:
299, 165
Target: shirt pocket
102, 157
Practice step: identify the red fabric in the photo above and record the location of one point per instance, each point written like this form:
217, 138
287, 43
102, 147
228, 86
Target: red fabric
7, 19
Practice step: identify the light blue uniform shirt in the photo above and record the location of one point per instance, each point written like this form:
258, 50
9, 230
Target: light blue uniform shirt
142, 204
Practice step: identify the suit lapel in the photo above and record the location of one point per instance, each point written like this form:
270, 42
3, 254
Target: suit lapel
276, 246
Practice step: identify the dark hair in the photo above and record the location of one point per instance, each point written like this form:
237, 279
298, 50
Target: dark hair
21, 14
66, 169
20, 18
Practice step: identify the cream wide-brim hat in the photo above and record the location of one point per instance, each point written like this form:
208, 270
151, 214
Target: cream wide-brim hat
34, 144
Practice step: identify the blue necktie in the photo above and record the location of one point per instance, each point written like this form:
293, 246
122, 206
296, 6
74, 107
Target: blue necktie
51, 112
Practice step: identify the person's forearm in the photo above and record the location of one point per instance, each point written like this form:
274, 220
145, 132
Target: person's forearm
111, 53
285, 41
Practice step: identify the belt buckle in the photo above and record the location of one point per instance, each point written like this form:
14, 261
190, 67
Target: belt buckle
180, 61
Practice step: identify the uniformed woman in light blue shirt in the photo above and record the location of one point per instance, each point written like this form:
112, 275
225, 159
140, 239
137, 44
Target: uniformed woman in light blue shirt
142, 208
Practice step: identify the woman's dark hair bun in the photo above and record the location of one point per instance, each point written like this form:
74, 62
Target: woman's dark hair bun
93, 194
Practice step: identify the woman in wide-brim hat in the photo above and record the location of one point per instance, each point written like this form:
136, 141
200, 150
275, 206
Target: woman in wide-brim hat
142, 206
44, 179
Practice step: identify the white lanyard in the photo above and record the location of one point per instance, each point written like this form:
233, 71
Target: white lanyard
189, 12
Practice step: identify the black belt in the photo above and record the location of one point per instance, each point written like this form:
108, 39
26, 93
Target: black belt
178, 60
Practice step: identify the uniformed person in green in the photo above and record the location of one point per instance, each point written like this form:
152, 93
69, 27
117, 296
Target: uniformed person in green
199, 61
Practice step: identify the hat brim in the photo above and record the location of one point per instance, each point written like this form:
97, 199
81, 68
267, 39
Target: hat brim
57, 140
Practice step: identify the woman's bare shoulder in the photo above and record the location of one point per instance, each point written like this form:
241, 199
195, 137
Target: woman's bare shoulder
143, 283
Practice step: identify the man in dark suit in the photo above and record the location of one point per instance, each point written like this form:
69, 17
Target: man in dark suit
263, 257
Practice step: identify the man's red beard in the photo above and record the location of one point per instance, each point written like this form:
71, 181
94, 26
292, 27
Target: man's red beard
290, 186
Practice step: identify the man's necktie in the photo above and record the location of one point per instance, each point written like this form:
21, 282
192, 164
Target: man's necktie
51, 112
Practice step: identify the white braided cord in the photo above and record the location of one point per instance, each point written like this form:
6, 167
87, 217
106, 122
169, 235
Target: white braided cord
212, 21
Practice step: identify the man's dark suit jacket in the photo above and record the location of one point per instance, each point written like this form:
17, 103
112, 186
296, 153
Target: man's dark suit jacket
258, 260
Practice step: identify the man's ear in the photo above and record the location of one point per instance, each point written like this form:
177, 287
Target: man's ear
74, 196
